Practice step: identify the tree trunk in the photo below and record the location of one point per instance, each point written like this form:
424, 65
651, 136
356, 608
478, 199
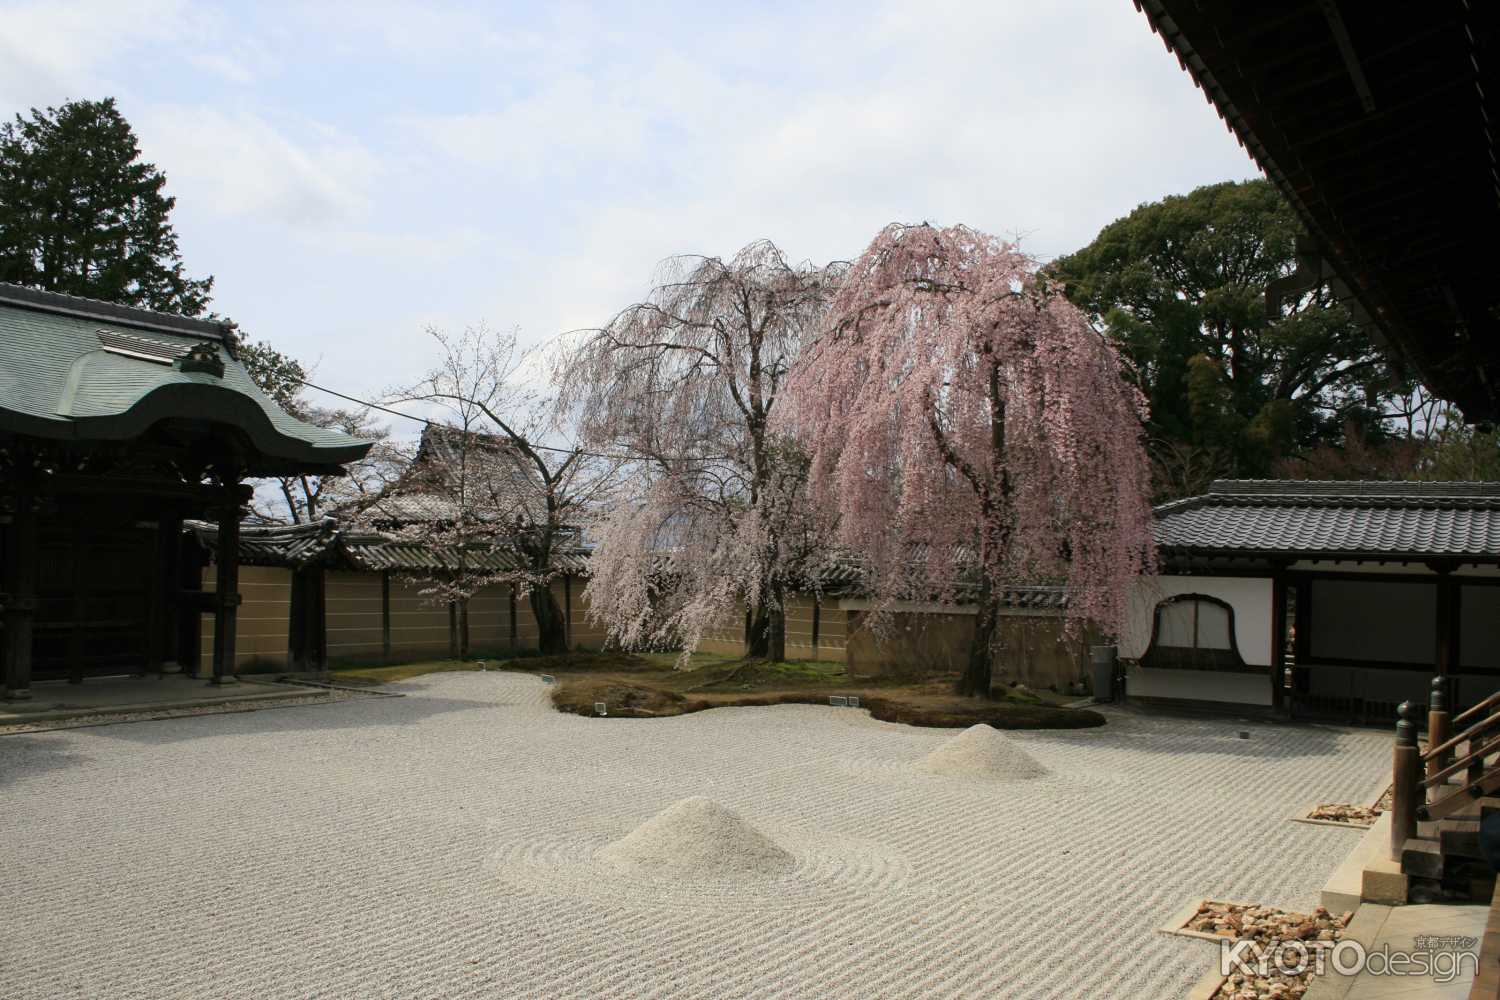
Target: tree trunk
551, 628
975, 680
776, 640
758, 632
463, 629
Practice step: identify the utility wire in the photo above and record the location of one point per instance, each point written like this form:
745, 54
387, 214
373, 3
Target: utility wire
432, 423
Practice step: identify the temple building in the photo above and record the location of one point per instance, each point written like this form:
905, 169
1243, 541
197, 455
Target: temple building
116, 425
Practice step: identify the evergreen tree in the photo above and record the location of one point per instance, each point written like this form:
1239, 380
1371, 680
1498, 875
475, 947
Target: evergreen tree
1179, 286
81, 214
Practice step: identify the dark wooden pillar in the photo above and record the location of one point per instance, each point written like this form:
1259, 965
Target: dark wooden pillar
165, 599
296, 622
307, 622
227, 590
514, 625
21, 567
1279, 694
78, 546
190, 605
385, 614
817, 624
317, 619
1446, 653
568, 609
452, 630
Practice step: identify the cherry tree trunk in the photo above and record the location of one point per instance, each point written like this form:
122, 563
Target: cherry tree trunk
765, 632
551, 625
757, 632
975, 680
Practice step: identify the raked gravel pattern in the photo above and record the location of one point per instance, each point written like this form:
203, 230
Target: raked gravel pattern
442, 845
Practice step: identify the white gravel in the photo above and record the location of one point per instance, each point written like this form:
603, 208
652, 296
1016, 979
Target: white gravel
982, 752
698, 839
446, 845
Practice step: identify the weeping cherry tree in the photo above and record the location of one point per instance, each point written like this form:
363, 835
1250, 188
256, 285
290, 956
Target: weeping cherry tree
973, 432
684, 385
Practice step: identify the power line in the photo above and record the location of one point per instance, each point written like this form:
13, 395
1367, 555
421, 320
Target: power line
432, 423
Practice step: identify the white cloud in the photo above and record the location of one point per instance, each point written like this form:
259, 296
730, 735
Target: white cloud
239, 165
51, 51
352, 172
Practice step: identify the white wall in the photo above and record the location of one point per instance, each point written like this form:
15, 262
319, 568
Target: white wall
1199, 685
1249, 596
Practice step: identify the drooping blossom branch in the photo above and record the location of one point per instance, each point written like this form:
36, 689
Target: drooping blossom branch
973, 432
685, 383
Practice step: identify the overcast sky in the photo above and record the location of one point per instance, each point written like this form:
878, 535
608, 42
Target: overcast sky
351, 173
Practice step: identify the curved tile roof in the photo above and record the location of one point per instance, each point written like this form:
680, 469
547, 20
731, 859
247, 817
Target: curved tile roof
1285, 517
78, 370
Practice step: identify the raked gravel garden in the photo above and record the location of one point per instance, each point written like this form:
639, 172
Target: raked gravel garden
468, 840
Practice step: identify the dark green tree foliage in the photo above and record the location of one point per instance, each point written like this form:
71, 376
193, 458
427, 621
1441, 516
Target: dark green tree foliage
1180, 285
80, 214
279, 376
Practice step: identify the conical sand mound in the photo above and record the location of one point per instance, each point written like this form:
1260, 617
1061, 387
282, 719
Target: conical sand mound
982, 752
698, 836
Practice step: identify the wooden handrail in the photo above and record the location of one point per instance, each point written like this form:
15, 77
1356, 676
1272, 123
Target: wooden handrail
1459, 798
1468, 713
1493, 746
1468, 734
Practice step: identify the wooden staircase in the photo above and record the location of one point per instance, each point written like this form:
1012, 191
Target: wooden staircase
1440, 796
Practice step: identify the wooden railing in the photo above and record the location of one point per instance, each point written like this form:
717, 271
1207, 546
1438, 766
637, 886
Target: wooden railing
1421, 785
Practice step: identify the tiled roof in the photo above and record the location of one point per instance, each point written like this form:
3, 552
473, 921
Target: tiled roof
273, 545
1356, 519
501, 482
79, 370
325, 542
371, 551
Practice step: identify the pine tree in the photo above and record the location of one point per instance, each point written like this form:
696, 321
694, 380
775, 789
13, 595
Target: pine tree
81, 214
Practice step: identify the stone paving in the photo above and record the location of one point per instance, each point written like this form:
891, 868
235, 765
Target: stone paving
441, 845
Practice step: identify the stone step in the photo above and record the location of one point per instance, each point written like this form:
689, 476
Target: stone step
1422, 858
1459, 838
1449, 890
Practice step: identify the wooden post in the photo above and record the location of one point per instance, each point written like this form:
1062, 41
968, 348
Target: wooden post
452, 630
21, 567
514, 627
817, 624
78, 545
1280, 697
296, 632
1438, 729
568, 610
1406, 788
190, 606
168, 558
385, 615
317, 625
227, 592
